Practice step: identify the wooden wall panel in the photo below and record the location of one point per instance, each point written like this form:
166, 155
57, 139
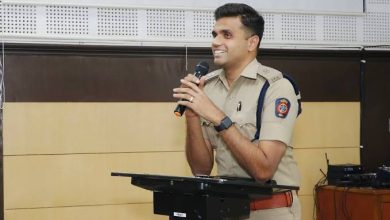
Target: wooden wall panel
60, 128
105, 212
117, 212
307, 203
92, 77
83, 179
67, 151
88, 74
328, 124
325, 78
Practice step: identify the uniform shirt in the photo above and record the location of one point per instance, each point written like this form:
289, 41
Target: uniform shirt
239, 102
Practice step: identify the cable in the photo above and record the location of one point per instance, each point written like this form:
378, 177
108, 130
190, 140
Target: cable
2, 87
344, 203
321, 182
334, 204
327, 160
186, 59
2, 63
362, 81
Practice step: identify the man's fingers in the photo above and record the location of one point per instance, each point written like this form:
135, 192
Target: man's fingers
184, 90
184, 97
201, 83
190, 85
192, 78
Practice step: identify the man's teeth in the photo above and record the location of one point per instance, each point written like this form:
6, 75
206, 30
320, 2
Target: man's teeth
219, 51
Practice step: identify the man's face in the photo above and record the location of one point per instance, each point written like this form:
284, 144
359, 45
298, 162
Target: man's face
230, 44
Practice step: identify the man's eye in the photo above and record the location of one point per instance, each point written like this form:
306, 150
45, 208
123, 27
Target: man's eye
227, 35
213, 34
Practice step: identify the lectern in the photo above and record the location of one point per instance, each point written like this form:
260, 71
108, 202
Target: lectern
203, 197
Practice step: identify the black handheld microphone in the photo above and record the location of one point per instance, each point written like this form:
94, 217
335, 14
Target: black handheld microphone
201, 69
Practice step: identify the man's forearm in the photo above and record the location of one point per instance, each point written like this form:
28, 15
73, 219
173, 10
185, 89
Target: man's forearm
199, 153
260, 160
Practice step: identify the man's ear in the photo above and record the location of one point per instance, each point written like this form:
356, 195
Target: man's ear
253, 41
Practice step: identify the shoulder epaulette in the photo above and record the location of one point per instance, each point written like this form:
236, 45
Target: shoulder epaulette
212, 75
270, 74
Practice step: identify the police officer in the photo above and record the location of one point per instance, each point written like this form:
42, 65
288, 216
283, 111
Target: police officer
221, 113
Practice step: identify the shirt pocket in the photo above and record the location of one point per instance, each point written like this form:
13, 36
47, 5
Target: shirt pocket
246, 122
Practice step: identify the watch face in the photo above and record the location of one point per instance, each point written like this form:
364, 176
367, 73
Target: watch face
225, 124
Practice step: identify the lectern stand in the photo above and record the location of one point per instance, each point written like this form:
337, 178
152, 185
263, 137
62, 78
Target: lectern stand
211, 198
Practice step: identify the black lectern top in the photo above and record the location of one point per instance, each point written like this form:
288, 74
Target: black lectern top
216, 185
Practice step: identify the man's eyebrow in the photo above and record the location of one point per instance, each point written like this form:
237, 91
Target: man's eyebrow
222, 30
225, 31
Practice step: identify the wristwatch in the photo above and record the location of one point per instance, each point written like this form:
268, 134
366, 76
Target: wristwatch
225, 124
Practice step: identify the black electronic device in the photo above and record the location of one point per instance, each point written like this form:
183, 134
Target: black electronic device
204, 197
382, 177
345, 174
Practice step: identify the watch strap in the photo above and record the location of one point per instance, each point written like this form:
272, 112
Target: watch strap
225, 124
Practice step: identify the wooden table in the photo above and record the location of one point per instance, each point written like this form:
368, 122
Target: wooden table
352, 203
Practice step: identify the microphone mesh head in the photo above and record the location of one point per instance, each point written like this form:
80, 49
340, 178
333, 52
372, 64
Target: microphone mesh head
202, 68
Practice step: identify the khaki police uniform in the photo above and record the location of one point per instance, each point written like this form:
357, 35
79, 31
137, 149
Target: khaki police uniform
239, 102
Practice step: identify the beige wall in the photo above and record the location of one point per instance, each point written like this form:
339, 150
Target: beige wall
58, 156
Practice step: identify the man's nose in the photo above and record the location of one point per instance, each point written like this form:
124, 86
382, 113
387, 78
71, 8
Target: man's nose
216, 41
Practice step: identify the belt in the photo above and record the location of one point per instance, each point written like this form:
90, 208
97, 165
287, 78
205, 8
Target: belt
278, 200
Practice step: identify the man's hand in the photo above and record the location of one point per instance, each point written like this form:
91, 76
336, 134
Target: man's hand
189, 113
199, 153
191, 95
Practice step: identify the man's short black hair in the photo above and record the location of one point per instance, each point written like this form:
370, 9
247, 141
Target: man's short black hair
250, 18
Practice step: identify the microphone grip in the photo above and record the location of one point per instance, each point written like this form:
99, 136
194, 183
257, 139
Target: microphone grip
201, 69
179, 110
